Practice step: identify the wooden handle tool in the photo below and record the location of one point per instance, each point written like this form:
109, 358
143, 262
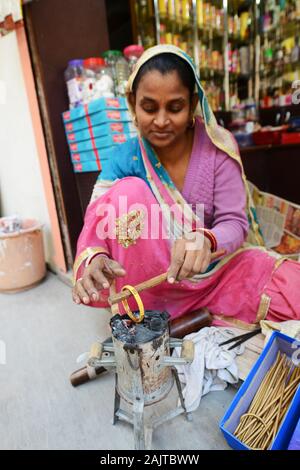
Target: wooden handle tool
154, 281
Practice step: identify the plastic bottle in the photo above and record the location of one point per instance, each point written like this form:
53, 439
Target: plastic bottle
162, 8
132, 54
97, 80
186, 11
200, 13
90, 67
104, 85
111, 58
122, 75
74, 78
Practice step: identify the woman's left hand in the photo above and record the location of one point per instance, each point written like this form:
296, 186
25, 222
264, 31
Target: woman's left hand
189, 257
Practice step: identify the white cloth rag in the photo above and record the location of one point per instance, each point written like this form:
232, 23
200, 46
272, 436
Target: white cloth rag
213, 366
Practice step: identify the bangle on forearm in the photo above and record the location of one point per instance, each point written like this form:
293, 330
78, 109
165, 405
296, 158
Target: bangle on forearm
92, 257
210, 236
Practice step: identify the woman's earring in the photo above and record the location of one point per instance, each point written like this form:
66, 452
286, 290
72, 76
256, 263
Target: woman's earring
135, 121
192, 123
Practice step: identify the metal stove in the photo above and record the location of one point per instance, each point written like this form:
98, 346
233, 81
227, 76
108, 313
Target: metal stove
145, 373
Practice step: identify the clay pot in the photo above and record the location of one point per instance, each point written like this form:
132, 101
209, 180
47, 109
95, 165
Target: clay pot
22, 259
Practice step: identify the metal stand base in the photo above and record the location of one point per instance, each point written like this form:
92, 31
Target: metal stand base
143, 433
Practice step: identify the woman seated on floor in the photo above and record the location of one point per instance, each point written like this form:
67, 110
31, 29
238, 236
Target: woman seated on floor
181, 162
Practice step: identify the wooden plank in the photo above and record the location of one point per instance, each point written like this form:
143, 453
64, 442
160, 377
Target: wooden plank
58, 32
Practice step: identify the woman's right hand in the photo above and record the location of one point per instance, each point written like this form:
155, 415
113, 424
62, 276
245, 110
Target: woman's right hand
97, 276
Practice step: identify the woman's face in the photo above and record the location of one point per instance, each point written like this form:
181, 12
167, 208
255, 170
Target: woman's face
163, 108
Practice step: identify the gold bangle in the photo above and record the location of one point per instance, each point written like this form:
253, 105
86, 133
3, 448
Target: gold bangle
139, 302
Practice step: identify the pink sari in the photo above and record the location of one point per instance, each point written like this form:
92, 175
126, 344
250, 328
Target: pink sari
243, 288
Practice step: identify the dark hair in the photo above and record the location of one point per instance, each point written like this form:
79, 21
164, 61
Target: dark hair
166, 63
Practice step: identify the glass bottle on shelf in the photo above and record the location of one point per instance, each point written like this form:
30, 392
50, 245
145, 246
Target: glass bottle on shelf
132, 54
200, 19
90, 69
97, 80
104, 84
111, 57
163, 8
73, 78
122, 75
186, 11
178, 11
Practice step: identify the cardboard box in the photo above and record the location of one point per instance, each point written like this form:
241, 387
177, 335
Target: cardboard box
93, 155
245, 395
95, 119
87, 167
117, 103
95, 163
100, 142
101, 131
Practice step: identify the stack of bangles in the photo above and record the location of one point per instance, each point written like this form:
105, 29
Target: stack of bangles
210, 236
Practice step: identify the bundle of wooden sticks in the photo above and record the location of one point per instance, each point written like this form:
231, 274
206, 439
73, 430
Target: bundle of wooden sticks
259, 426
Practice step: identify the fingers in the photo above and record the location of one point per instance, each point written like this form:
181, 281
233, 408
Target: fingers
205, 262
85, 291
197, 265
194, 263
109, 271
103, 280
80, 292
90, 288
98, 276
115, 268
188, 265
177, 260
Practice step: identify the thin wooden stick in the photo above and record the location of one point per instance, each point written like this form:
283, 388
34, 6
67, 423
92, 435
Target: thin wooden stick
247, 421
154, 281
275, 388
273, 382
114, 308
266, 419
272, 389
278, 414
264, 393
256, 400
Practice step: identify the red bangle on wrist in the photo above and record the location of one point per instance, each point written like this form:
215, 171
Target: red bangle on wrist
210, 236
92, 257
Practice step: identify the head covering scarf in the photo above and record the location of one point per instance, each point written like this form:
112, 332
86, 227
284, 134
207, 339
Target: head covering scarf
219, 136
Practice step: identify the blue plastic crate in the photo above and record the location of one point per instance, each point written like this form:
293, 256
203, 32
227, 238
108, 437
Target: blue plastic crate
246, 393
295, 441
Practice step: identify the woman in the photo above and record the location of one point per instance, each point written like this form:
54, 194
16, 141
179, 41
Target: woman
179, 162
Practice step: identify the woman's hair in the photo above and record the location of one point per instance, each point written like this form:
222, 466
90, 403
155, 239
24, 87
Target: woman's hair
166, 63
